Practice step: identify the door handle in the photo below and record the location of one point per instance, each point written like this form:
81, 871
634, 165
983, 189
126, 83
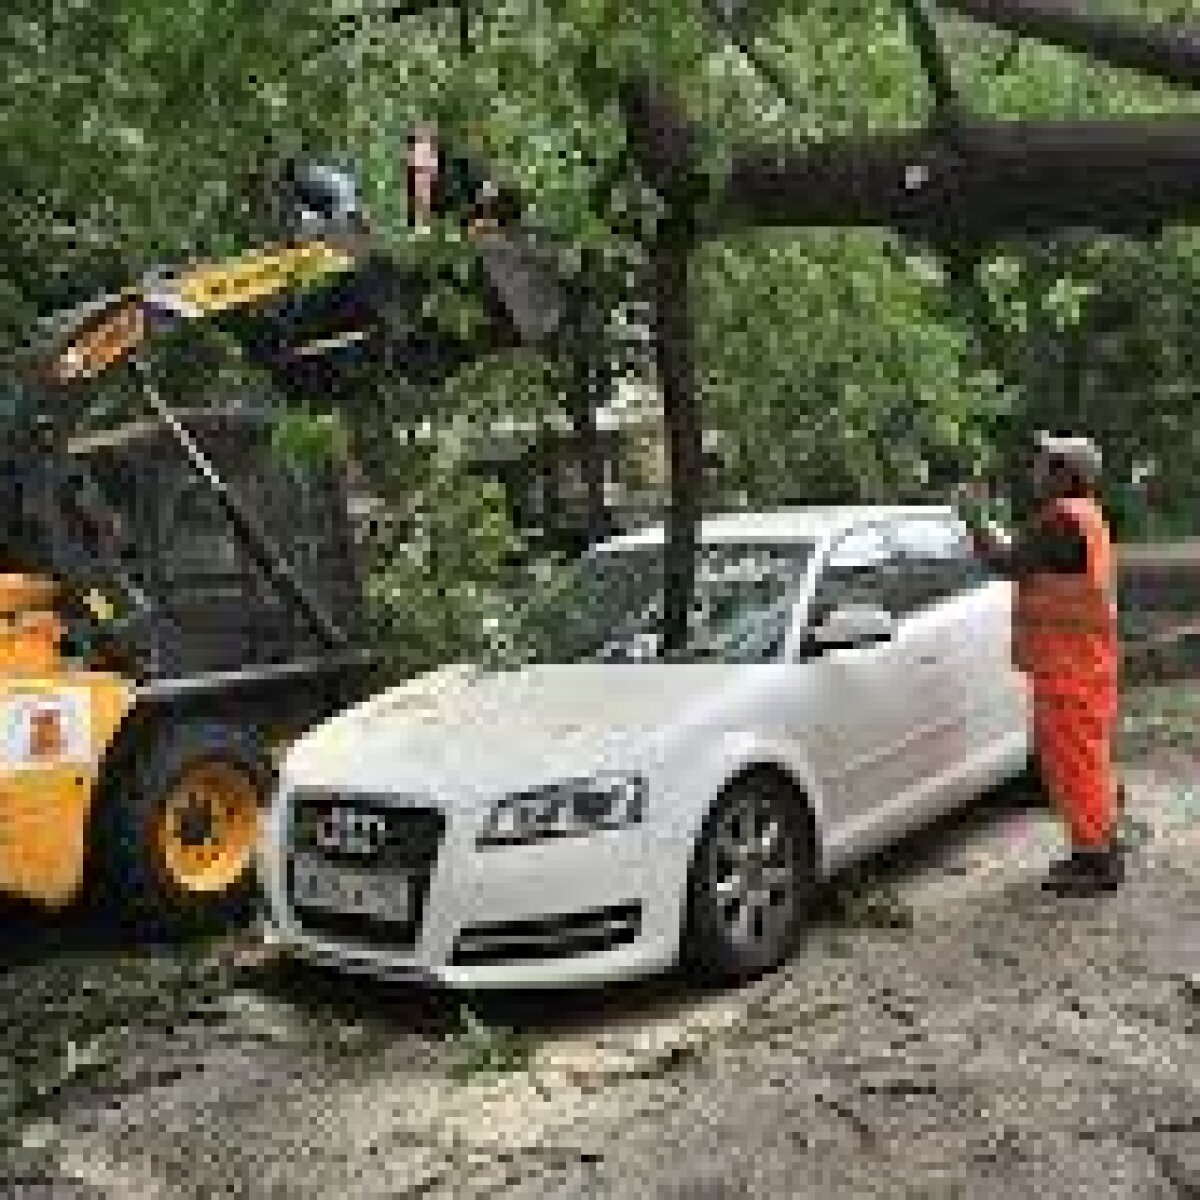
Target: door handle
928, 660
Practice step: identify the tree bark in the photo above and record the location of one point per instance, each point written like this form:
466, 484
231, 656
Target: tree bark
684, 428
590, 379
990, 181
1170, 54
1003, 179
664, 145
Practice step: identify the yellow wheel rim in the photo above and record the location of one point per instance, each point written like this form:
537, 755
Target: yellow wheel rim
208, 827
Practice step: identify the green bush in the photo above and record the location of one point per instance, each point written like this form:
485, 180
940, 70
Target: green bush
439, 565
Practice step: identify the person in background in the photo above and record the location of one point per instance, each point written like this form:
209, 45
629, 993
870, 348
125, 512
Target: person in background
1065, 642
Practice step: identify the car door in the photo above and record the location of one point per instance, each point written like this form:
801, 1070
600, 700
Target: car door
935, 647
859, 717
997, 698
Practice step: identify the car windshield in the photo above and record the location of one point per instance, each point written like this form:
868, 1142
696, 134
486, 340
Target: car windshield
607, 607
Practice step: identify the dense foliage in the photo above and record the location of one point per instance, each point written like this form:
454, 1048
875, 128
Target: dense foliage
831, 364
837, 364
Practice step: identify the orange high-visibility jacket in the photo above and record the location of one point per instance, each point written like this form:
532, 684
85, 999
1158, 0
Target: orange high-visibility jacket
1065, 626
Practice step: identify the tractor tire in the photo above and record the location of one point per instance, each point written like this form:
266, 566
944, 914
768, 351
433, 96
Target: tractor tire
174, 839
752, 879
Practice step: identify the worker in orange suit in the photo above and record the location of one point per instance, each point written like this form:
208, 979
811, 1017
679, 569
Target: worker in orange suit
1065, 643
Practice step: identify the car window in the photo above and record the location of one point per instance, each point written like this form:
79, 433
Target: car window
937, 562
743, 616
745, 597
607, 606
860, 569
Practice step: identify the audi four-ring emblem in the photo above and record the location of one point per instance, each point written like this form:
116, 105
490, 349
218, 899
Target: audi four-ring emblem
345, 831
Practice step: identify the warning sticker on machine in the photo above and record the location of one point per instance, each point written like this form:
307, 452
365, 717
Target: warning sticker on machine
45, 730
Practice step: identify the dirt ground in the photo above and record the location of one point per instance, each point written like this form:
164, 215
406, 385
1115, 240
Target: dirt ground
944, 1031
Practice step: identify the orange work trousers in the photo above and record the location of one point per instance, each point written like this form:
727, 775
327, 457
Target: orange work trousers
1073, 736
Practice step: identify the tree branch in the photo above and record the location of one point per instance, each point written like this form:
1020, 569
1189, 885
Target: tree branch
1003, 179
1169, 54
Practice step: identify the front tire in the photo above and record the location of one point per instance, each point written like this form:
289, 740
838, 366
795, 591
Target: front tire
751, 879
174, 840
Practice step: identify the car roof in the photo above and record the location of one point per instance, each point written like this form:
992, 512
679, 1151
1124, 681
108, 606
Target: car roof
782, 525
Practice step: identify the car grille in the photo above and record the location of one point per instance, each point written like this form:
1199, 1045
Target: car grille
549, 937
412, 838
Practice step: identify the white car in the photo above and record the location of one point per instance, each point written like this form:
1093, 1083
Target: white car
585, 808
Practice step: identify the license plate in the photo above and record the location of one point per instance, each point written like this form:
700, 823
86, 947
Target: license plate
384, 895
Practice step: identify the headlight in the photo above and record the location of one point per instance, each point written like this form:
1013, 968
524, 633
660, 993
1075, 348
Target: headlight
568, 809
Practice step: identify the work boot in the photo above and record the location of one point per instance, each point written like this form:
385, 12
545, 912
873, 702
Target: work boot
1087, 873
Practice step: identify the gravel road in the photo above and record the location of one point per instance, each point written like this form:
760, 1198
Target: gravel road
945, 1031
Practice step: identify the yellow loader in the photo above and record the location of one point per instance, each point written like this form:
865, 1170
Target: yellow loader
177, 601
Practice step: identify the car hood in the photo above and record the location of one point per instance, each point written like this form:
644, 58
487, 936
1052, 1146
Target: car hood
465, 728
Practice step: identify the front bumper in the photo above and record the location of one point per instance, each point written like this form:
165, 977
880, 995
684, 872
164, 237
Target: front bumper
570, 911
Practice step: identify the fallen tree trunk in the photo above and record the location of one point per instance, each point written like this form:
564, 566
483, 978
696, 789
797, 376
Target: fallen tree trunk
998, 179
992, 180
1159, 591
1161, 578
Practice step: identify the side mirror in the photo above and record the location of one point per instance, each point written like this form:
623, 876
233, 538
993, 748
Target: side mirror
854, 627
